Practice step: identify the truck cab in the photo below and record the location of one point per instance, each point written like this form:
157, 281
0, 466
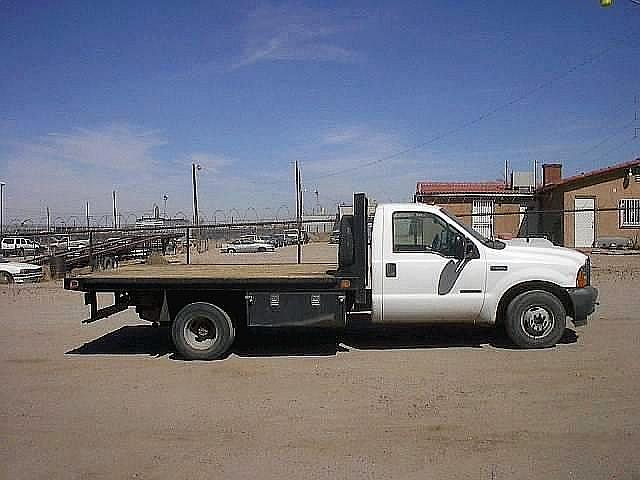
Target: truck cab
427, 266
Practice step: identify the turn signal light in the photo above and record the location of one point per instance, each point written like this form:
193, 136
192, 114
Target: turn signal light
345, 283
581, 280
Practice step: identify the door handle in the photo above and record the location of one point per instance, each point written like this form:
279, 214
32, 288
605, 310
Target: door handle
390, 270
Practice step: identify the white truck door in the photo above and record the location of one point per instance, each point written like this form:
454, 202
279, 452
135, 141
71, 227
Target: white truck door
415, 259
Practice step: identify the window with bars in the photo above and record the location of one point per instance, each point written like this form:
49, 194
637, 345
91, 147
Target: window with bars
629, 212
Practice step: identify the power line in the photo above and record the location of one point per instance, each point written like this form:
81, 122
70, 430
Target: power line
615, 149
547, 83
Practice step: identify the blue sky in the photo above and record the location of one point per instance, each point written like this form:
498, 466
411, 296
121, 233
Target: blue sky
126, 95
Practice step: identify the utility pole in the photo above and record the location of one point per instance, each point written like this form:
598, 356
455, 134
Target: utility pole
115, 211
195, 167
88, 224
299, 210
196, 217
2, 184
48, 231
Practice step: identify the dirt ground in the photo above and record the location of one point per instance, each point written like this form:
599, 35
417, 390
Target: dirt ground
110, 400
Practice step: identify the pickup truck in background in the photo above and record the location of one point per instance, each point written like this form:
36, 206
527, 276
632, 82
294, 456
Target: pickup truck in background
19, 246
423, 266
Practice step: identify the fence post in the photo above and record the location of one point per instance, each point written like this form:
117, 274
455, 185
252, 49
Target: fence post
188, 247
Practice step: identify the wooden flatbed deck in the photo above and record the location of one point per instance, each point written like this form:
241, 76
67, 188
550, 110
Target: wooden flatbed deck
144, 276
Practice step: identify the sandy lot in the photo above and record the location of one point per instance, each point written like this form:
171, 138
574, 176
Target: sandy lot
110, 401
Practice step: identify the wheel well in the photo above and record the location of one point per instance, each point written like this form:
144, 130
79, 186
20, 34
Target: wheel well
516, 290
232, 302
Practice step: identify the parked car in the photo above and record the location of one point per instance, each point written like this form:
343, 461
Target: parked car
247, 246
279, 239
16, 272
334, 237
270, 239
613, 243
292, 236
19, 246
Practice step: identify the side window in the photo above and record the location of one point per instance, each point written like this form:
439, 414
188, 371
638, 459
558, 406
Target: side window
421, 232
9, 241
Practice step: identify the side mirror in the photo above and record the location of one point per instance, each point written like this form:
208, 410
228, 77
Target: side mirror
469, 249
460, 247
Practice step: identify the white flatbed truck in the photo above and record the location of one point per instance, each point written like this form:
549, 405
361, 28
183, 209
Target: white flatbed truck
422, 265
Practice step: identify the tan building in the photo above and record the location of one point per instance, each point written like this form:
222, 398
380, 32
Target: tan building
610, 197
491, 208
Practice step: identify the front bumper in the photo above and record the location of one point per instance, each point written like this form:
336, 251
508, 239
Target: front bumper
584, 301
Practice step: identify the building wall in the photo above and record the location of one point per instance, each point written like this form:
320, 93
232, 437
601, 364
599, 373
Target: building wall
607, 192
507, 225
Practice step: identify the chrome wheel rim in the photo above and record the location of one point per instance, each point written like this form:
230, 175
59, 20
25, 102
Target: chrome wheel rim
200, 333
537, 321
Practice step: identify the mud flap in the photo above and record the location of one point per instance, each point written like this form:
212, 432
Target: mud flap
165, 317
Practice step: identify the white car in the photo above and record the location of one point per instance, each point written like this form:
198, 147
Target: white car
19, 246
247, 246
16, 272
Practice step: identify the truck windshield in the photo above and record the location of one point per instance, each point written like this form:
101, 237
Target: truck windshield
497, 244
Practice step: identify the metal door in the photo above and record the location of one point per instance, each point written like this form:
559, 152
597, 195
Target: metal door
411, 279
584, 222
482, 218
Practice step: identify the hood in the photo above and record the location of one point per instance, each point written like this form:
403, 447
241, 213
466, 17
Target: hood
543, 248
19, 265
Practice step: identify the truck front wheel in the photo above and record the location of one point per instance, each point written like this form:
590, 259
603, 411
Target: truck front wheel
535, 319
202, 331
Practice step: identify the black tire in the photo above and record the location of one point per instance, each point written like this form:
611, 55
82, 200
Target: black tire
5, 278
21, 252
535, 319
202, 331
230, 250
262, 250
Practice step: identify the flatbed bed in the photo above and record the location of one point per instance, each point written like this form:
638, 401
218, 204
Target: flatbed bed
205, 304
223, 275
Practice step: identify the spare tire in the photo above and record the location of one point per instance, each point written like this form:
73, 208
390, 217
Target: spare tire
346, 252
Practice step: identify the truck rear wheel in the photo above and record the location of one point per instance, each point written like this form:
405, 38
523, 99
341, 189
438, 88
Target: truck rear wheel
535, 319
202, 331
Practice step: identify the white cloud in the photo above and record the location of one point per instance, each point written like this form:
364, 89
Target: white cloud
64, 170
300, 33
116, 146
